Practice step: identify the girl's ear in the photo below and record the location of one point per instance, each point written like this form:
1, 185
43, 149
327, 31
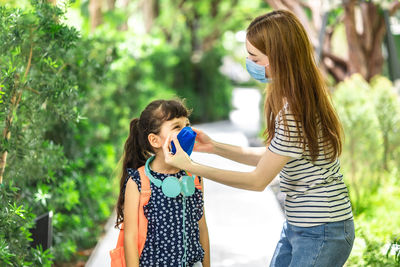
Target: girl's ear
154, 140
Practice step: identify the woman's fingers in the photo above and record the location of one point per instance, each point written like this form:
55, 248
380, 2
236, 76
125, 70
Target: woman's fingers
165, 147
196, 130
180, 158
198, 133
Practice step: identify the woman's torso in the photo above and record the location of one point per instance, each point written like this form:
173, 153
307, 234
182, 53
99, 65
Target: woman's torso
315, 191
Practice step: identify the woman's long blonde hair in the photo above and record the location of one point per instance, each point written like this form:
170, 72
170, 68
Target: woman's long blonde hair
296, 80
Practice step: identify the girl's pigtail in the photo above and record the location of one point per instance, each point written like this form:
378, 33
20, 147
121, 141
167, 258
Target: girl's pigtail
134, 157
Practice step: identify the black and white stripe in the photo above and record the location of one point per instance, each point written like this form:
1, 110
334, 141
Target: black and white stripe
315, 191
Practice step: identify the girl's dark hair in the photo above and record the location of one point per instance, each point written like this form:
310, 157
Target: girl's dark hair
137, 148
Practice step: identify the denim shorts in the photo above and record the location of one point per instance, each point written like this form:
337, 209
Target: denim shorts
325, 245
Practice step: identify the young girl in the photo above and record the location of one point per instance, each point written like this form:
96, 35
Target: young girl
304, 138
172, 240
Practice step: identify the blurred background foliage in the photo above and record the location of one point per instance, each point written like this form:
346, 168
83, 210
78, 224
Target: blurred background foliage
73, 74
370, 113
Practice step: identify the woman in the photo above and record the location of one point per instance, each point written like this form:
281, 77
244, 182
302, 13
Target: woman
304, 138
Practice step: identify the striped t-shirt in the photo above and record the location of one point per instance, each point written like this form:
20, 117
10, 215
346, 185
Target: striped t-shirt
315, 192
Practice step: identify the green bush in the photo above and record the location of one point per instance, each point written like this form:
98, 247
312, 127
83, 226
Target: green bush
377, 225
362, 152
42, 109
370, 114
387, 108
15, 237
394, 249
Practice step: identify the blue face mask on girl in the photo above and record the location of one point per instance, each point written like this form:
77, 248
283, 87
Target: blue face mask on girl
186, 138
256, 71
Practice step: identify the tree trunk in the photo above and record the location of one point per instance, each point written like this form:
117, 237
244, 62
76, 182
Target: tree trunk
150, 12
95, 14
196, 54
212, 37
357, 59
125, 4
15, 99
366, 55
111, 4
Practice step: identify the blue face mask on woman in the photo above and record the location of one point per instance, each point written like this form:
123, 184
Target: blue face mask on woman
256, 71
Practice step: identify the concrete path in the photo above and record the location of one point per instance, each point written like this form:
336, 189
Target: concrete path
244, 226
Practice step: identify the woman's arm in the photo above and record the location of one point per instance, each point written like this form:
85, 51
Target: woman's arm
204, 239
266, 170
131, 211
246, 155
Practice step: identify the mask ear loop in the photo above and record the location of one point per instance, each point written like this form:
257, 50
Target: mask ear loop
267, 66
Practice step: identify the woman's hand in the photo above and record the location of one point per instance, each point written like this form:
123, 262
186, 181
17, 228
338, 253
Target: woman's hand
203, 142
180, 159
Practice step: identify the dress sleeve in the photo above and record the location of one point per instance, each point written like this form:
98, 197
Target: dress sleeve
287, 140
134, 175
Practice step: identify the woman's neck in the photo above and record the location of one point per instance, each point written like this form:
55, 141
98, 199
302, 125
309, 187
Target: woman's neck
159, 165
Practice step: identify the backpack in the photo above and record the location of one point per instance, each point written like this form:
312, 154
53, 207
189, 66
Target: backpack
118, 254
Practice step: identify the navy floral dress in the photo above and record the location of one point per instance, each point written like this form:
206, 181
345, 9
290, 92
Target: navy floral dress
164, 243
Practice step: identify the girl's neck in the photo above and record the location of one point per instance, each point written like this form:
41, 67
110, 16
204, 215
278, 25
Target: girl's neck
159, 165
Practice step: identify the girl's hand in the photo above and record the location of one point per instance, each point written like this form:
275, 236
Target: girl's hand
180, 159
203, 142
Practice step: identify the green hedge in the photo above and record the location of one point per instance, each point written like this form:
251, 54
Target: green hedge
370, 114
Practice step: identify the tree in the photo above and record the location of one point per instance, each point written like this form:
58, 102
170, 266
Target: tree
52, 157
365, 31
150, 11
28, 52
95, 13
197, 32
111, 4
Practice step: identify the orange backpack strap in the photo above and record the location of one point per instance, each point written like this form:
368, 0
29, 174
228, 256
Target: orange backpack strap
197, 182
145, 194
118, 254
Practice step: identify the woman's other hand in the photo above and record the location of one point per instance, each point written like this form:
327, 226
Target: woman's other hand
180, 159
203, 142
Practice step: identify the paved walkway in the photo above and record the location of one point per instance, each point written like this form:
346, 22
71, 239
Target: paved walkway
244, 226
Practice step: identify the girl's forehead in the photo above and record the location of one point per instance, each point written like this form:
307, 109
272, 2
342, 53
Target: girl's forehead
176, 120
